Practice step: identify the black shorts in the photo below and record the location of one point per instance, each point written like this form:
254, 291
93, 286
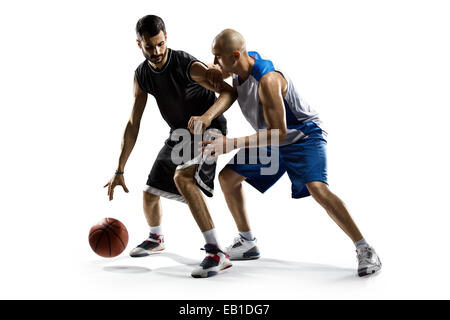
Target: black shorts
177, 155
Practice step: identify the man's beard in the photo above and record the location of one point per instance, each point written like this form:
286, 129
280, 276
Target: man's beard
151, 58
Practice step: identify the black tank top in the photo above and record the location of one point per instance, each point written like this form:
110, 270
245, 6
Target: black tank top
177, 95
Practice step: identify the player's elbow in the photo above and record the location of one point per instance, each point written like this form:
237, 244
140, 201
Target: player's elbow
230, 91
233, 94
133, 127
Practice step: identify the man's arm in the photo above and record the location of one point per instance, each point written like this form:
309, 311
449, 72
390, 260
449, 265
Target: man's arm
270, 92
129, 137
215, 74
132, 129
199, 73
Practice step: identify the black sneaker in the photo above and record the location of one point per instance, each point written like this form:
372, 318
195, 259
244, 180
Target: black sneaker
153, 244
214, 262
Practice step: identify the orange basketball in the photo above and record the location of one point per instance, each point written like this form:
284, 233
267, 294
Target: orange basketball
108, 238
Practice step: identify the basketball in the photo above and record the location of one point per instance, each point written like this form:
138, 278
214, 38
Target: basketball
108, 238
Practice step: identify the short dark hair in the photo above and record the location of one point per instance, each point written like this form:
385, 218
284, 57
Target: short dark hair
150, 25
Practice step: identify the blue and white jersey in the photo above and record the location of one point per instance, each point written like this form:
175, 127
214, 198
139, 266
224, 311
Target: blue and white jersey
296, 109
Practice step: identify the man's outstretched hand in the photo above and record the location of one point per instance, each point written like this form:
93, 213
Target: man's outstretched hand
116, 180
217, 145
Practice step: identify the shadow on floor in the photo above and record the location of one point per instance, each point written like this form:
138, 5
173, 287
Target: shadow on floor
255, 269
126, 269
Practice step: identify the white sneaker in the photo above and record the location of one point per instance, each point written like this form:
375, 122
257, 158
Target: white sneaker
214, 262
153, 244
368, 261
243, 249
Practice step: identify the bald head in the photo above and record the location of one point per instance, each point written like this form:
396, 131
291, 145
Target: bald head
229, 40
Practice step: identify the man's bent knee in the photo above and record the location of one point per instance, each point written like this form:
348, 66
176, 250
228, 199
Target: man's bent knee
183, 177
229, 179
319, 190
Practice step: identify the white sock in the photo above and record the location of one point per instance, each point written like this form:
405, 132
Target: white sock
156, 230
247, 235
361, 242
211, 237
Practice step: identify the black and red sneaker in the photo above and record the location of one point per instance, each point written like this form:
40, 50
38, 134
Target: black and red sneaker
215, 261
153, 244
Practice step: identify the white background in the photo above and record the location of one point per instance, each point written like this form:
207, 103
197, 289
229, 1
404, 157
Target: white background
377, 72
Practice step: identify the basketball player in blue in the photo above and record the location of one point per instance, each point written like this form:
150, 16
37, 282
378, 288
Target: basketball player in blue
271, 104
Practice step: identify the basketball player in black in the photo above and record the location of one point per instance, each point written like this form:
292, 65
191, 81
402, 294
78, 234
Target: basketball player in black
182, 89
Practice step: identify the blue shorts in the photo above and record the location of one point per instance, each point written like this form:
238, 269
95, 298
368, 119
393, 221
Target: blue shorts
304, 161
